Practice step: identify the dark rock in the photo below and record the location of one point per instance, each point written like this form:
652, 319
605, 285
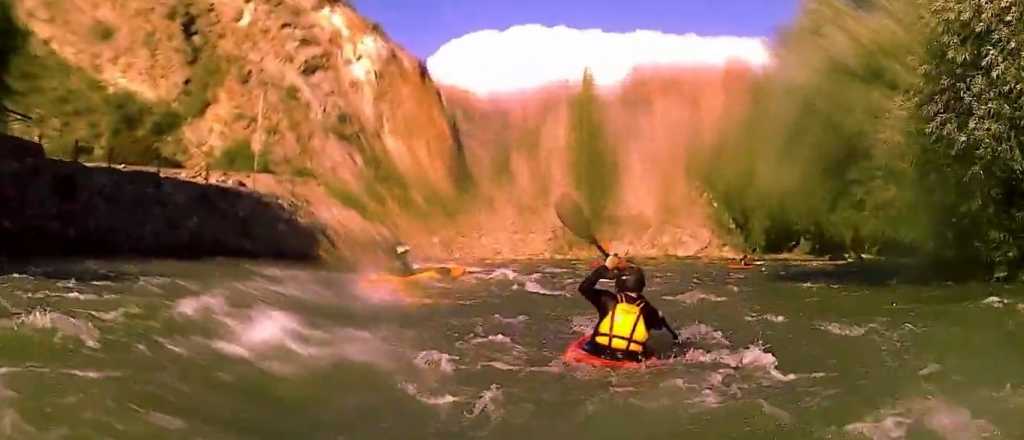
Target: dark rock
18, 149
58, 208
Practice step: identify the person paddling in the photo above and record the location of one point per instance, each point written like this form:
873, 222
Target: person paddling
403, 267
624, 317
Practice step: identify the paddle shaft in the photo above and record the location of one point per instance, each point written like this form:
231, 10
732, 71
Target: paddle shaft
597, 244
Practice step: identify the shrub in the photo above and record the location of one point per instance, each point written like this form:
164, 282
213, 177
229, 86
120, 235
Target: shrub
102, 32
207, 76
593, 169
237, 156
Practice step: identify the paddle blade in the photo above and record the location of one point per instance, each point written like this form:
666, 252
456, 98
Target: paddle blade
571, 214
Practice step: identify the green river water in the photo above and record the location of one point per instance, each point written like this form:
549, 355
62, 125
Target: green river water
228, 349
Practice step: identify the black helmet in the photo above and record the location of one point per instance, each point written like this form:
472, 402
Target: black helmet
630, 279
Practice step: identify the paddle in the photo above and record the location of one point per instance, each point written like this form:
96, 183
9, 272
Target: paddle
575, 219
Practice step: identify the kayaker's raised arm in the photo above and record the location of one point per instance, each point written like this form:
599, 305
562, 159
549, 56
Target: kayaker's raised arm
588, 287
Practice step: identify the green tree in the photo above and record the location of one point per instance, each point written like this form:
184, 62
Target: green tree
971, 100
593, 168
823, 158
237, 156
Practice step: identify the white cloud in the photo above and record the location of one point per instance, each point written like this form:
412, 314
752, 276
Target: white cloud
528, 56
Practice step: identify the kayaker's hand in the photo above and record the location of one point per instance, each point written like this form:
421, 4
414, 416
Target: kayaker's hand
614, 262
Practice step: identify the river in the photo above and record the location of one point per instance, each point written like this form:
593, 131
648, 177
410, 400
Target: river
229, 349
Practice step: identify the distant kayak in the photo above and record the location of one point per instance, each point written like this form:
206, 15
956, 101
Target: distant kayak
574, 354
741, 266
408, 289
433, 274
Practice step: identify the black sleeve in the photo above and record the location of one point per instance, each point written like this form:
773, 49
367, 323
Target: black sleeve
588, 288
653, 317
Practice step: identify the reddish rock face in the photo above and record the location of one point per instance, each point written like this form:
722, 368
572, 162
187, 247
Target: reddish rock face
516, 145
311, 84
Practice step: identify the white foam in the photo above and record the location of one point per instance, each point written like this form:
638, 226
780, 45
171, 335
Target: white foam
843, 329
890, 428
282, 342
115, 315
490, 401
517, 320
412, 390
497, 339
432, 359
995, 301
165, 421
943, 418
753, 357
69, 295
171, 346
66, 325
780, 415
89, 374
499, 365
534, 287
507, 274
703, 333
930, 369
695, 296
196, 305
778, 319
583, 324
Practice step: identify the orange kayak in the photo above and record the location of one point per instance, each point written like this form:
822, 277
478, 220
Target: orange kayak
394, 288
574, 354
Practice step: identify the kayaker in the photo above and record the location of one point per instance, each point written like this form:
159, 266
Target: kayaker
625, 317
405, 268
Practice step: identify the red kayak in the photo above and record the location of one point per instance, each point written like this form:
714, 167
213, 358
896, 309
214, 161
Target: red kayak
574, 354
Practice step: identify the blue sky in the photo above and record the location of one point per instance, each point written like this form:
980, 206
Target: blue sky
422, 26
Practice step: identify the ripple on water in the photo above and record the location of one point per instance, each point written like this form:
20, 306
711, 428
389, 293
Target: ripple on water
534, 287
844, 329
517, 320
413, 390
694, 296
116, 315
160, 419
752, 358
64, 325
497, 339
88, 374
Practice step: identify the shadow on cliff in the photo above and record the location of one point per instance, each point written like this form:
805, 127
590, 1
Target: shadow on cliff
57, 208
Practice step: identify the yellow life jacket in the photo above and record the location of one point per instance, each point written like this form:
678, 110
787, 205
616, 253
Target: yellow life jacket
623, 328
